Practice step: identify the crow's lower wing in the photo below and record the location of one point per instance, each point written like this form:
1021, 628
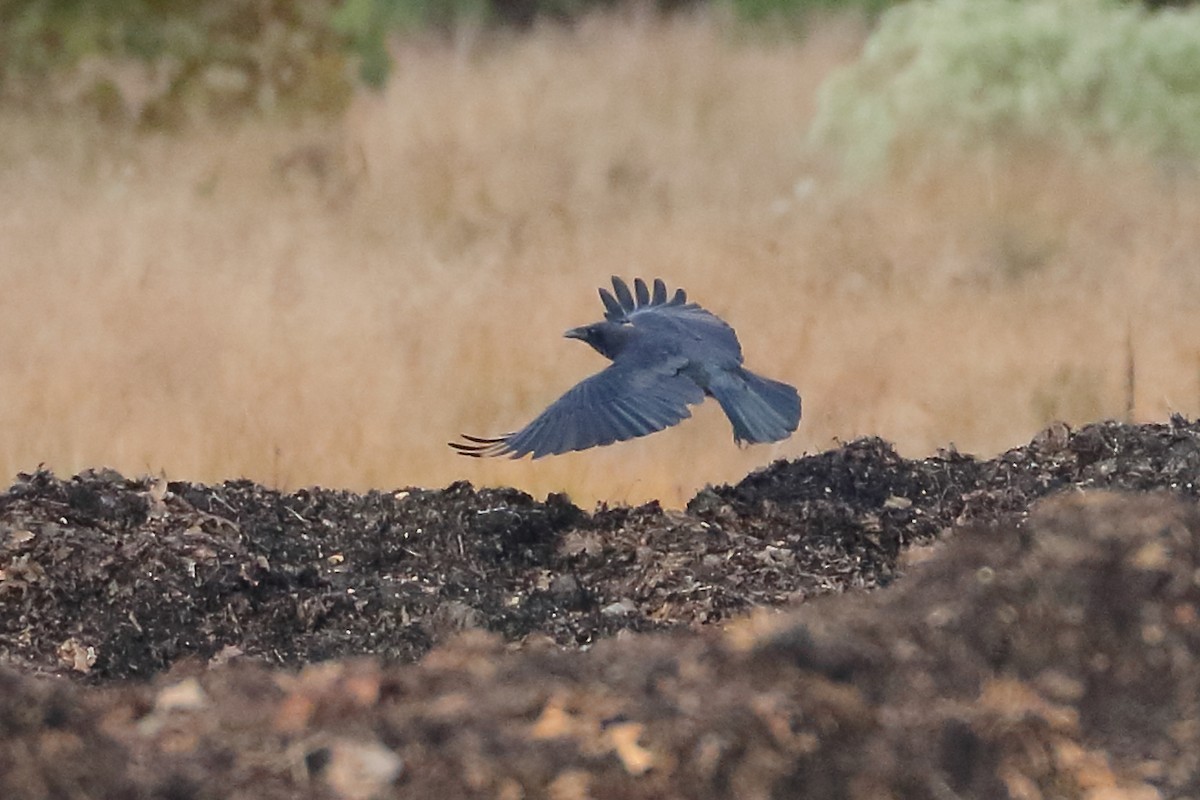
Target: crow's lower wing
622, 402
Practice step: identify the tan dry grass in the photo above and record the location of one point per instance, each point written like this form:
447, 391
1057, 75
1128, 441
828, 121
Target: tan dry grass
331, 303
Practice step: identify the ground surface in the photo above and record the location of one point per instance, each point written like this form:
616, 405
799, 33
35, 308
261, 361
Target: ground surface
179, 640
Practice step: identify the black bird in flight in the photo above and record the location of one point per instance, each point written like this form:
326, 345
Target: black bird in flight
667, 354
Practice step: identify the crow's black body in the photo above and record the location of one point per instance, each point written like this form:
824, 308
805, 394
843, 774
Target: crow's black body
666, 354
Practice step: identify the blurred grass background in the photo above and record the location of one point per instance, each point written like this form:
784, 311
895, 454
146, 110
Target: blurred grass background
947, 223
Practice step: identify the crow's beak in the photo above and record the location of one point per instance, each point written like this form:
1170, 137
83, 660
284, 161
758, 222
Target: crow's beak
576, 333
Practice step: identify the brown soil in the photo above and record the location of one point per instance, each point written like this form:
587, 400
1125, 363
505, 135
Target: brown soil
187, 641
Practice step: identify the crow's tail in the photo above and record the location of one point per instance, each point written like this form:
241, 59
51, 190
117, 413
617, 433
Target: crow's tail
760, 409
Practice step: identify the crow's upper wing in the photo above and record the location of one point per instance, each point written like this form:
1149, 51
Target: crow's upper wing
621, 402
684, 323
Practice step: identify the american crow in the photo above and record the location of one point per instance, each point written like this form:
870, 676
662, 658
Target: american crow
666, 355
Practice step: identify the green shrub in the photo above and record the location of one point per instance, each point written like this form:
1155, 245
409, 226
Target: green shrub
213, 54
964, 73
766, 10
366, 26
218, 55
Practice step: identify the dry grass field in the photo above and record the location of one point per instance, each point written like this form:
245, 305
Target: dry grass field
329, 303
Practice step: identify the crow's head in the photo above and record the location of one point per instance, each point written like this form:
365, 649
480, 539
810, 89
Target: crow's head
606, 338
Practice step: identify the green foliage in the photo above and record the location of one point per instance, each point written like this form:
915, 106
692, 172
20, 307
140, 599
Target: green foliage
766, 10
961, 74
215, 54
230, 54
366, 25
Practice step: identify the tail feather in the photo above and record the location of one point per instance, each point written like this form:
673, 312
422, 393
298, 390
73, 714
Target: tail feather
760, 409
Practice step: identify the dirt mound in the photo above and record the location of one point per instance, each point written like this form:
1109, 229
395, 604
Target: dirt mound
1060, 659
122, 577
1055, 654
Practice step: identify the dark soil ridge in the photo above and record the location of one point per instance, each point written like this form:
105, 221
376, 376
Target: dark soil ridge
1058, 659
106, 578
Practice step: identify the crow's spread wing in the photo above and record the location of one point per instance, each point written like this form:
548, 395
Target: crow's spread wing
675, 318
621, 402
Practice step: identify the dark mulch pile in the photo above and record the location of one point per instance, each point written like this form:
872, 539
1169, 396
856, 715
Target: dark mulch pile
1059, 660
1054, 657
134, 575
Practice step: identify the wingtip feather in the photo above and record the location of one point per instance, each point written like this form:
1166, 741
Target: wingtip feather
643, 294
612, 309
660, 292
482, 447
623, 294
